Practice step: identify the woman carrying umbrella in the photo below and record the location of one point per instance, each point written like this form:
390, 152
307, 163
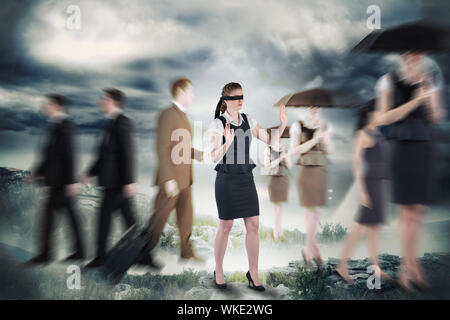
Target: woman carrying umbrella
413, 159
236, 196
409, 99
312, 143
278, 161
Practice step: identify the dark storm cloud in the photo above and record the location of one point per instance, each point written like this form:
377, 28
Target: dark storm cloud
338, 70
145, 104
335, 66
26, 120
82, 97
15, 68
92, 127
143, 83
24, 72
10, 124
18, 71
192, 18
146, 79
177, 61
10, 16
83, 100
20, 120
144, 132
436, 10
140, 65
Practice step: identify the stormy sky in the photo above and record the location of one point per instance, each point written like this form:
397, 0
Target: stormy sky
272, 48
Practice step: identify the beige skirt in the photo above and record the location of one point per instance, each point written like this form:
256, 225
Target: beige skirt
278, 188
312, 186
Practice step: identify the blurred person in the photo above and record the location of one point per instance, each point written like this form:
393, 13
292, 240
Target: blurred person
114, 168
174, 175
370, 167
312, 142
409, 100
57, 168
235, 190
277, 160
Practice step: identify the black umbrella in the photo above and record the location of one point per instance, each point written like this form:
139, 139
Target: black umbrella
415, 36
323, 98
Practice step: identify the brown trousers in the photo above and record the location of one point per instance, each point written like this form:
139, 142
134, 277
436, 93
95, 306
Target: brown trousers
182, 203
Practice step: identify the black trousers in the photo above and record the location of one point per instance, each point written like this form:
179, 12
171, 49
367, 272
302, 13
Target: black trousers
113, 200
59, 200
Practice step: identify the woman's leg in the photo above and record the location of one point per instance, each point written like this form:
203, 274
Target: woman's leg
312, 220
372, 235
372, 232
220, 246
403, 228
349, 245
316, 251
252, 246
308, 226
406, 221
417, 216
277, 231
410, 236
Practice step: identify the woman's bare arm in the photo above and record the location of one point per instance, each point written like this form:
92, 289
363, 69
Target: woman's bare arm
217, 148
288, 160
274, 163
358, 168
263, 135
434, 104
328, 143
300, 148
423, 96
387, 116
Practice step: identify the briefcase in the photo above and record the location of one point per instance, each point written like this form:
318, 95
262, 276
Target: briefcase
126, 252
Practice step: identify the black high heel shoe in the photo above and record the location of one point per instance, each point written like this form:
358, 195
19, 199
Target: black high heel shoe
251, 284
219, 285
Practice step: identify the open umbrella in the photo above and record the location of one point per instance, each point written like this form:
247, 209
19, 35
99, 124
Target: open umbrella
324, 98
415, 36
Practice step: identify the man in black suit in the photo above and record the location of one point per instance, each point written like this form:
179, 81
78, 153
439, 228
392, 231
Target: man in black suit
57, 169
114, 168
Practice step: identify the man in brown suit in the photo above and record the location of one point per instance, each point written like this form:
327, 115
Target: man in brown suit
174, 175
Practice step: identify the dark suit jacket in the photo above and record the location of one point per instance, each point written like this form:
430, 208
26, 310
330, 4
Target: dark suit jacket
57, 164
115, 162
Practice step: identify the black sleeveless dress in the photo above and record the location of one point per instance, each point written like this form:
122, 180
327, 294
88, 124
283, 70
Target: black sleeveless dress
235, 189
376, 172
413, 157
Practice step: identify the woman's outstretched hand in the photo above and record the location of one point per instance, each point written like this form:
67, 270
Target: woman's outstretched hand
228, 134
283, 115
